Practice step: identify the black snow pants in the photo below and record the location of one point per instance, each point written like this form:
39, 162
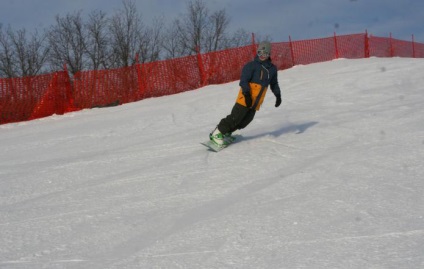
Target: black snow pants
239, 118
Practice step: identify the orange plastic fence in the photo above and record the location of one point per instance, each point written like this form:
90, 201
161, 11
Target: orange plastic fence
168, 77
104, 87
57, 99
224, 66
35, 97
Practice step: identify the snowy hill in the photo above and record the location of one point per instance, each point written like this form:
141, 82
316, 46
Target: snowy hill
334, 178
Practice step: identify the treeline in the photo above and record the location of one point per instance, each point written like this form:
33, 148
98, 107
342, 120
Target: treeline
99, 41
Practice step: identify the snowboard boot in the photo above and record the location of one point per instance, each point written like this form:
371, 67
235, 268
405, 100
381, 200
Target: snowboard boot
217, 137
228, 138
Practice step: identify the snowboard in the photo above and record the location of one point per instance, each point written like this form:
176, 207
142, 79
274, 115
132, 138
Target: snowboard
217, 148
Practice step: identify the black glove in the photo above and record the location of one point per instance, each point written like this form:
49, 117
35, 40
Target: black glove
248, 99
278, 101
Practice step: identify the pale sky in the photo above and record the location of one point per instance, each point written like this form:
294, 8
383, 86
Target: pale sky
300, 19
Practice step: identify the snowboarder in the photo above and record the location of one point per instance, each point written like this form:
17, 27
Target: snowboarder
255, 78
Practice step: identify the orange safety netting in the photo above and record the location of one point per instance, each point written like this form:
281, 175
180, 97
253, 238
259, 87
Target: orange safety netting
39, 96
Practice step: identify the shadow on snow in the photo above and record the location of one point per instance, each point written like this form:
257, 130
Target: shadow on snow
296, 128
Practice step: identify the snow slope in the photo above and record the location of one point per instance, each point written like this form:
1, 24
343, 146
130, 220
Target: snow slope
334, 178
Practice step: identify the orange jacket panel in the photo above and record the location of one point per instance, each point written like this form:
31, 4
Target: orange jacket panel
255, 89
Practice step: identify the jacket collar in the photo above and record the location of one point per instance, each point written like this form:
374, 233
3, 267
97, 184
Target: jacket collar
267, 63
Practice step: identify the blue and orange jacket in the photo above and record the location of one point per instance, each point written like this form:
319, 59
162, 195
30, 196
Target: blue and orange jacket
256, 77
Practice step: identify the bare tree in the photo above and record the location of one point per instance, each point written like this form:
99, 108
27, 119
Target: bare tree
240, 38
22, 56
37, 53
170, 44
97, 41
31, 54
126, 30
18, 42
67, 42
191, 30
7, 55
215, 37
197, 30
151, 42
177, 41
101, 42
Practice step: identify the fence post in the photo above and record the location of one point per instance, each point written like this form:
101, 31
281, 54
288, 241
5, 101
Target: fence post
367, 46
392, 51
70, 91
59, 103
413, 46
201, 67
48, 103
291, 51
141, 89
335, 46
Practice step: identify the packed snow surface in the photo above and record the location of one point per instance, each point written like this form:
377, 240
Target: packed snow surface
333, 178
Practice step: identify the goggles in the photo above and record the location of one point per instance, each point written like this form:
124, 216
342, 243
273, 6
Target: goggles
263, 53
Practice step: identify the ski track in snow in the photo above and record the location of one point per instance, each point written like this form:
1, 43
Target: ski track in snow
331, 179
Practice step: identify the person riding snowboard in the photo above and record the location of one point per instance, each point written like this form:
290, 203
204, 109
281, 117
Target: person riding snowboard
255, 78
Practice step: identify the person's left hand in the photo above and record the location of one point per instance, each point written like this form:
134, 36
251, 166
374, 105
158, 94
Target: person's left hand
278, 101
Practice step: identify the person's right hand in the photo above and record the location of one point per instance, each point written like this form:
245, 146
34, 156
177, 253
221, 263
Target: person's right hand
248, 99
